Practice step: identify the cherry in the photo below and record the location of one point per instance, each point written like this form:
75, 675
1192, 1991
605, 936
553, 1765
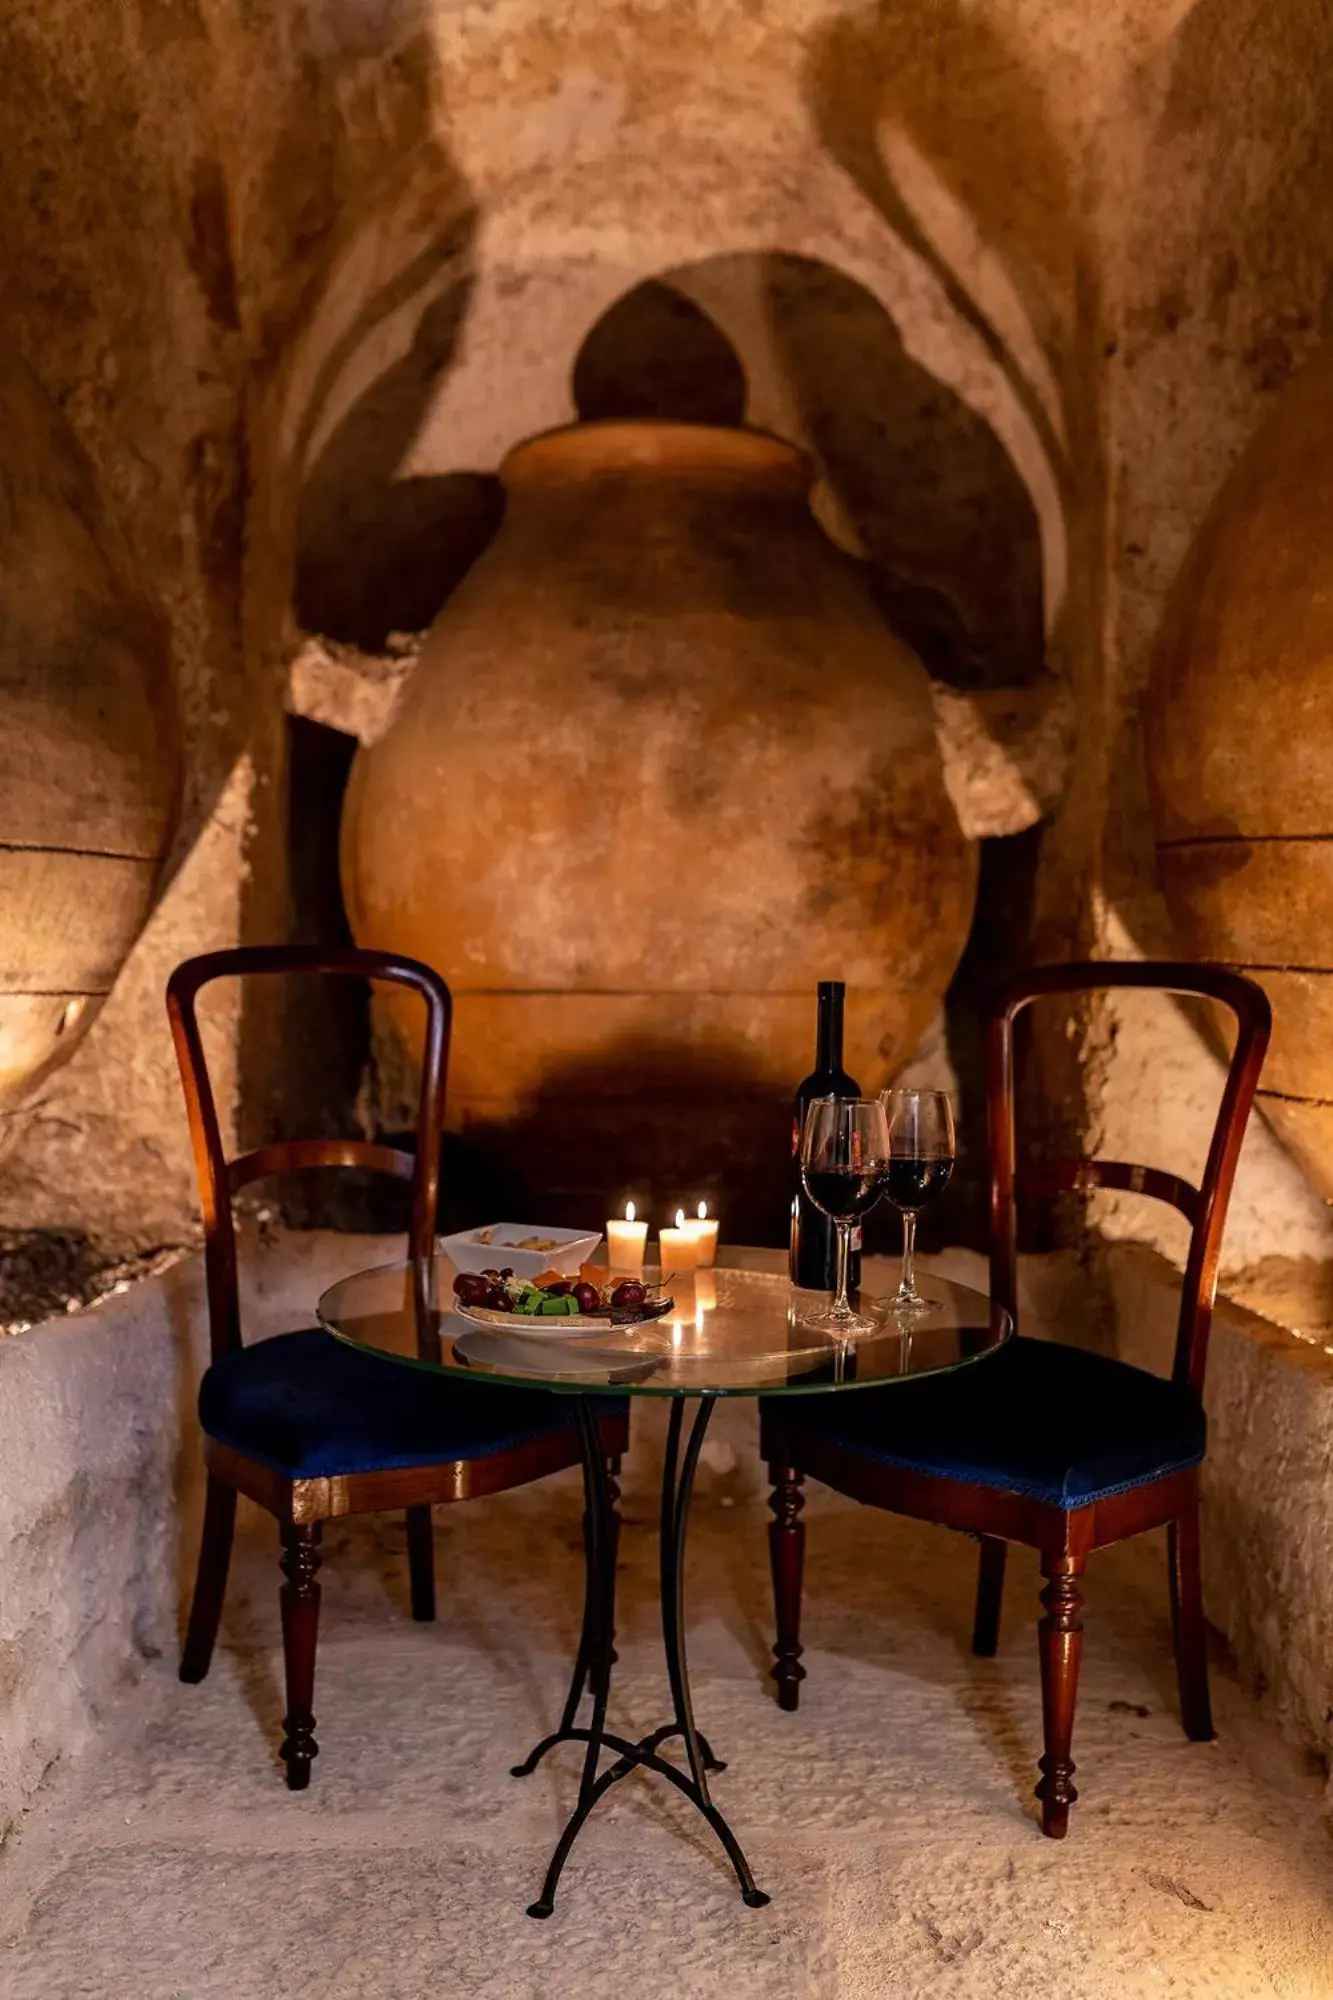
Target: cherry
629, 1293
587, 1297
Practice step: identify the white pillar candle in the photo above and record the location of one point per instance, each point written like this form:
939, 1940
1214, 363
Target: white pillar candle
625, 1242
704, 1231
679, 1247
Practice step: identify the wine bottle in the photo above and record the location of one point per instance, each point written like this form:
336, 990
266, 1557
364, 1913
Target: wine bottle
813, 1257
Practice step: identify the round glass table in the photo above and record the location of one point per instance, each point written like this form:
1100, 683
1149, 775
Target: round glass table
730, 1333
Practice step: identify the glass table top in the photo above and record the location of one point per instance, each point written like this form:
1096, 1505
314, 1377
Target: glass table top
730, 1333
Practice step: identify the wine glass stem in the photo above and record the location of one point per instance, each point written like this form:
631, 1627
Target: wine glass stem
907, 1288
840, 1303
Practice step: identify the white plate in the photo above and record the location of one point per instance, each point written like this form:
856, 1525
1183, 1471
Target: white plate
557, 1327
570, 1249
542, 1360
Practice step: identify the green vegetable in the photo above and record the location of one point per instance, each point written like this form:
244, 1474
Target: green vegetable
557, 1308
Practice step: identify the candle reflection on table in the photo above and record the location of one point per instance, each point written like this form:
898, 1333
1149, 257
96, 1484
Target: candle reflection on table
694, 1297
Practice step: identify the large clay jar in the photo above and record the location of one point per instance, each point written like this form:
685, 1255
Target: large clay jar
89, 752
659, 769
1240, 743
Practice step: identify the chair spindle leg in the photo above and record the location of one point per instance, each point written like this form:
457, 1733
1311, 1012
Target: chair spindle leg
421, 1563
990, 1595
210, 1584
1187, 1626
300, 1630
786, 1549
1060, 1641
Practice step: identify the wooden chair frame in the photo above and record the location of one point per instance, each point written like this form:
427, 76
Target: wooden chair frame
301, 1506
1064, 1537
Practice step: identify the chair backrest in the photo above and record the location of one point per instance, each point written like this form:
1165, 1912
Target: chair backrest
220, 1178
1204, 1208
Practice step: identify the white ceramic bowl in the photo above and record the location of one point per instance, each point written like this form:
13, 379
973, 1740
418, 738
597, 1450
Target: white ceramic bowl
568, 1249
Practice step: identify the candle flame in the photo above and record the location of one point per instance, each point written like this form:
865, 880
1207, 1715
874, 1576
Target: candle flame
629, 1211
703, 1211
680, 1218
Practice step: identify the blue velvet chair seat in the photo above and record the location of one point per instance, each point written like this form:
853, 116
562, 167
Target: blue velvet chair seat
1053, 1423
311, 1407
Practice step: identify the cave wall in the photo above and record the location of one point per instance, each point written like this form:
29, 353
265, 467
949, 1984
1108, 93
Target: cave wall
1218, 191
1022, 282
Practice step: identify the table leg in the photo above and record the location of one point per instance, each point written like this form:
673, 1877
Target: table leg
592, 1668
677, 1487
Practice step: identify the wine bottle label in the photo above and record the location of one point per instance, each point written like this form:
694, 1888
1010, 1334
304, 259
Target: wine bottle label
856, 1237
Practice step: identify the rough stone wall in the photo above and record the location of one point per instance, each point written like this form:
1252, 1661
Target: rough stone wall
101, 1489
121, 294
1215, 165
1023, 282
175, 174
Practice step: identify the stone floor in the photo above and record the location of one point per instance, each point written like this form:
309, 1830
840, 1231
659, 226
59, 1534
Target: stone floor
891, 1819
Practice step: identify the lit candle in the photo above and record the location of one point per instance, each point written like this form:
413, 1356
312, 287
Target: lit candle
625, 1242
679, 1246
704, 1232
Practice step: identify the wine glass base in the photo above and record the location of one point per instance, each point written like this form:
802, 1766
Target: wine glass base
911, 1310
839, 1326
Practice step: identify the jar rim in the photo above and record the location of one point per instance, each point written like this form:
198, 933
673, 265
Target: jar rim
649, 444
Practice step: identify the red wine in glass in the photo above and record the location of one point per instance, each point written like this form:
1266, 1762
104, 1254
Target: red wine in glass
843, 1193
914, 1183
922, 1146
844, 1155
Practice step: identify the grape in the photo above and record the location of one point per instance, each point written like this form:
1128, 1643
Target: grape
587, 1297
470, 1289
629, 1293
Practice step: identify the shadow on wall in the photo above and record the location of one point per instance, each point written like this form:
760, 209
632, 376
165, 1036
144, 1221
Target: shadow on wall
377, 553
942, 81
656, 354
353, 158
653, 1121
943, 517
942, 75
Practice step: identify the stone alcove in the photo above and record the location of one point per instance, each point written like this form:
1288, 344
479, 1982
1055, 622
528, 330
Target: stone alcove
912, 481
1106, 237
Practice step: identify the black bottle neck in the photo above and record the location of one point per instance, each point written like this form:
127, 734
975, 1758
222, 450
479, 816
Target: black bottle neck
828, 1046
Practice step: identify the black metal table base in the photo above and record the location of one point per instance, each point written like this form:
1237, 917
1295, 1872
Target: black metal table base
592, 1664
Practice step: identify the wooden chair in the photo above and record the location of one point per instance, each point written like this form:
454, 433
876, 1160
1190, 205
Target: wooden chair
307, 1426
1063, 1450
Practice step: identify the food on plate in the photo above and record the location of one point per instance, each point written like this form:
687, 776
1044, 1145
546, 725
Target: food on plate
470, 1288
487, 1236
554, 1297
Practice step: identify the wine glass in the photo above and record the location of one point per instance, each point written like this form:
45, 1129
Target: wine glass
922, 1147
844, 1159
